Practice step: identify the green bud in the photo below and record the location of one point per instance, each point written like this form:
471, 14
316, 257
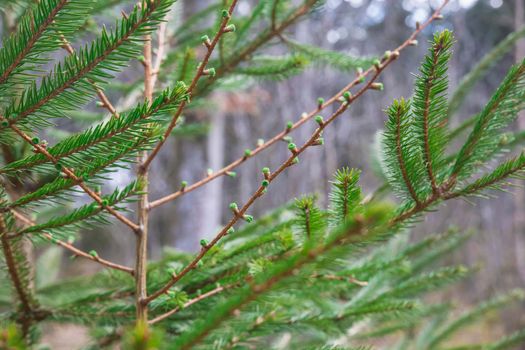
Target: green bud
289, 125
230, 231
347, 96
230, 28
231, 173
320, 102
225, 14
266, 171
203, 243
183, 184
35, 140
260, 142
377, 86
200, 263
319, 119
292, 146
288, 139
295, 160
5, 123
205, 39
247, 152
377, 63
210, 71
265, 183
100, 104
387, 54
93, 253
105, 202
233, 206
248, 218
209, 171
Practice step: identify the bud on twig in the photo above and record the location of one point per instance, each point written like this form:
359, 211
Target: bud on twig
266, 172
320, 102
377, 86
206, 41
230, 28
293, 148
319, 120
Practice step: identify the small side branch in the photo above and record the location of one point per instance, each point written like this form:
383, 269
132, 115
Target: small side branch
73, 249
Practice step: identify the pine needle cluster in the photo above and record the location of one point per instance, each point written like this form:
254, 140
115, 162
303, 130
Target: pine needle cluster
306, 276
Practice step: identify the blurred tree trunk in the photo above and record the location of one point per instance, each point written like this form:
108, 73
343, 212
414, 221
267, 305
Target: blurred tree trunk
215, 153
519, 211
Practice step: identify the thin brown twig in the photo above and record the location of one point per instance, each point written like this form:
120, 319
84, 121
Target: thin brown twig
290, 161
73, 249
200, 72
189, 303
401, 160
426, 112
141, 261
104, 100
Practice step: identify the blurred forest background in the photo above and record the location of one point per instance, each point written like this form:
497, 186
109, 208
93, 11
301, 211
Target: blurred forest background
232, 122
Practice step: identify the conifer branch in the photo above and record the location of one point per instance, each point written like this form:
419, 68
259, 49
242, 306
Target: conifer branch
71, 175
239, 213
303, 119
254, 289
257, 42
202, 70
103, 53
34, 34
72, 248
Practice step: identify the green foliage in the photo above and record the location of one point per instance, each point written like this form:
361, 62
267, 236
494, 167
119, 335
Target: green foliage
304, 275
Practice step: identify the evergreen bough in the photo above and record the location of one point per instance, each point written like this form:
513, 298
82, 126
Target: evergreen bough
333, 278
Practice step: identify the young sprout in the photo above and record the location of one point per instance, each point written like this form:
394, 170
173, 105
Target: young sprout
266, 172
206, 40
292, 147
320, 102
183, 185
377, 64
230, 28
210, 72
231, 173
377, 86
234, 208
319, 120
248, 218
230, 231
247, 153
203, 243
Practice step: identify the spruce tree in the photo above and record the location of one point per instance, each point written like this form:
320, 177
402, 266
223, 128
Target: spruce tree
311, 277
